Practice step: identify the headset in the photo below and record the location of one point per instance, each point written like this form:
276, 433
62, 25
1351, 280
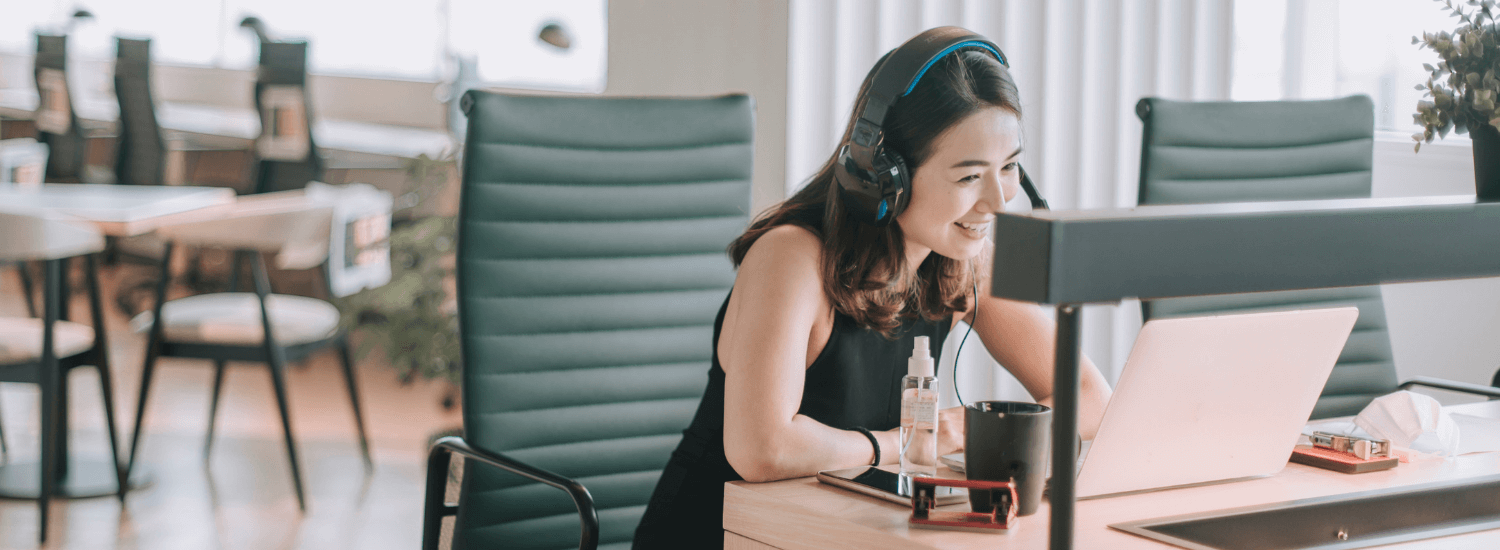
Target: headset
875, 183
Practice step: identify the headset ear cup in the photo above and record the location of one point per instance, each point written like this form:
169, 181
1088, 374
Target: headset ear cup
900, 183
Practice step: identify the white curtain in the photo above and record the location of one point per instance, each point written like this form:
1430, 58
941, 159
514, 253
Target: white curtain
1081, 66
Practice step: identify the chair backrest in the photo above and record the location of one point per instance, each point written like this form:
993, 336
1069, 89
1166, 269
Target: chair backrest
141, 157
29, 236
56, 120
359, 245
1213, 152
22, 162
286, 153
591, 265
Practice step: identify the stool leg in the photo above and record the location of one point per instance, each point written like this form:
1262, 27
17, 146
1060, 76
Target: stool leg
213, 407
50, 377
276, 360
359, 418
25, 272
153, 350
278, 379
101, 362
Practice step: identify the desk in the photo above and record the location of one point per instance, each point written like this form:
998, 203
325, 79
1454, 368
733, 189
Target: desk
803, 513
117, 210
238, 127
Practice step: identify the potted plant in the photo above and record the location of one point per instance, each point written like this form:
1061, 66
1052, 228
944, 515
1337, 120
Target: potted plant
1464, 89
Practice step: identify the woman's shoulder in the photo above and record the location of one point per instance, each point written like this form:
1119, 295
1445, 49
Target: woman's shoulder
786, 244
786, 258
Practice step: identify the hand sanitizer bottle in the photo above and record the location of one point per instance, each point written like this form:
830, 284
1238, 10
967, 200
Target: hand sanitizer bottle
919, 416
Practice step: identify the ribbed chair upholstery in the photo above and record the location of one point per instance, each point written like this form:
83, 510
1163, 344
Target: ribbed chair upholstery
1215, 152
591, 265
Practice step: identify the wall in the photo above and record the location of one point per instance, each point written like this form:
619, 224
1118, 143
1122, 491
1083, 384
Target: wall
693, 47
1445, 329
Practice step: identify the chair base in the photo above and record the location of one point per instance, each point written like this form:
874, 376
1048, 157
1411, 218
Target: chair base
88, 477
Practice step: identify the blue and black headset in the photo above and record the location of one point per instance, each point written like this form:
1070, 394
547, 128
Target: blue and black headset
874, 182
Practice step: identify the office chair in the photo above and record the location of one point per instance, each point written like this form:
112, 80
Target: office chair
56, 119
259, 326
591, 265
44, 351
286, 155
1216, 152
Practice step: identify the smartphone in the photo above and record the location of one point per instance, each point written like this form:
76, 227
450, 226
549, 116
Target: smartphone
886, 485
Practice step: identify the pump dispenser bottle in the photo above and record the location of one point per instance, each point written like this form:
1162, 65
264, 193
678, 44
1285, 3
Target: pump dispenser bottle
919, 415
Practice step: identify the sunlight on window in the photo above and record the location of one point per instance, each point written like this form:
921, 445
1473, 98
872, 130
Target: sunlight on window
1373, 53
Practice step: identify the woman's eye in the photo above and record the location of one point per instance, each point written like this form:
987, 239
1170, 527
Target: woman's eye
969, 178
1009, 167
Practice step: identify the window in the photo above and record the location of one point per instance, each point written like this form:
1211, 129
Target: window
1306, 49
404, 40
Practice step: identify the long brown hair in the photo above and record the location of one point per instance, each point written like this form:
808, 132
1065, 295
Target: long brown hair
864, 268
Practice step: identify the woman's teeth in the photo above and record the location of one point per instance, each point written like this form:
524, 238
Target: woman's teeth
975, 230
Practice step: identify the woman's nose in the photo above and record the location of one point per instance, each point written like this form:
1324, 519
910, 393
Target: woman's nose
992, 198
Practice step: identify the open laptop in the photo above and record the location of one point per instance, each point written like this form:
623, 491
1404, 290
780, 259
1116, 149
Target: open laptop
1206, 399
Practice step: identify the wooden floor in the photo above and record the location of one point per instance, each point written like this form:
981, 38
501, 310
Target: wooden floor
242, 497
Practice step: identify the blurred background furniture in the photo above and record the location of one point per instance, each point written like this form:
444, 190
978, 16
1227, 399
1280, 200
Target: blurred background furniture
591, 266
44, 352
261, 326
1218, 152
22, 163
287, 156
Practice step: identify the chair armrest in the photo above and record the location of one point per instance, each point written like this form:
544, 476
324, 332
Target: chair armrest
434, 507
1452, 385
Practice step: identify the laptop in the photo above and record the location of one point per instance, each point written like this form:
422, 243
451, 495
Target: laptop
1211, 399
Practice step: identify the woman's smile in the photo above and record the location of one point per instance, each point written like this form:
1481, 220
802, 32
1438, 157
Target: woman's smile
973, 230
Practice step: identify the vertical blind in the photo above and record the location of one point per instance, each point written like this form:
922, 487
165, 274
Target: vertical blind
1080, 65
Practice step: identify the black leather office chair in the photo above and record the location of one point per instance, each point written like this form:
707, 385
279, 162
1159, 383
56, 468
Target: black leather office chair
286, 154
56, 119
591, 265
1214, 152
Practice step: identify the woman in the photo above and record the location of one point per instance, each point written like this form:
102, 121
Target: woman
815, 334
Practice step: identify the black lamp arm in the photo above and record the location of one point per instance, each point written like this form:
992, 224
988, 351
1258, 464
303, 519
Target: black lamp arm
435, 508
1452, 385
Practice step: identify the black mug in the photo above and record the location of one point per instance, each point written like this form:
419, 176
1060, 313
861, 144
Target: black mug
1007, 440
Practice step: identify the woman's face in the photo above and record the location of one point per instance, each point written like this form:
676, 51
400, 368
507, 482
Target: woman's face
969, 176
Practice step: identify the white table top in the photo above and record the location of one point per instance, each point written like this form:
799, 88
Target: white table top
242, 125
118, 210
802, 513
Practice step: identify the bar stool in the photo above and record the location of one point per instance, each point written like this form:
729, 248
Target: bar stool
258, 326
43, 352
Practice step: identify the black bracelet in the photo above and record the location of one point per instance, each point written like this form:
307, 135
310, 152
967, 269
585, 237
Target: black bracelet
873, 443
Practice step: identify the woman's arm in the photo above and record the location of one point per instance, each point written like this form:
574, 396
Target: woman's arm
1021, 337
778, 299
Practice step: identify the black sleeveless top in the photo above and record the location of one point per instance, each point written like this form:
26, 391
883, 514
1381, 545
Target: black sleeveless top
855, 381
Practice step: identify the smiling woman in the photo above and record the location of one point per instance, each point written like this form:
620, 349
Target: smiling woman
885, 244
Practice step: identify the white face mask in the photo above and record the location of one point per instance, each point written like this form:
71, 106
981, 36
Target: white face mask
1411, 420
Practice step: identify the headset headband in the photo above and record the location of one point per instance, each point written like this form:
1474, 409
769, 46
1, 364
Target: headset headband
906, 65
899, 73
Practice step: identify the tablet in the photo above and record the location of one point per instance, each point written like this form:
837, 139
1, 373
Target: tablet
886, 485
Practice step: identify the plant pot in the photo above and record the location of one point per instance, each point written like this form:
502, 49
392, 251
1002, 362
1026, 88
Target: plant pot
1486, 162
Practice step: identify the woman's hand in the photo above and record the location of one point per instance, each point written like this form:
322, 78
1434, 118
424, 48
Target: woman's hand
950, 431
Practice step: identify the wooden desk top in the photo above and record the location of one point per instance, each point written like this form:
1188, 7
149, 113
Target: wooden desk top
803, 513
120, 210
